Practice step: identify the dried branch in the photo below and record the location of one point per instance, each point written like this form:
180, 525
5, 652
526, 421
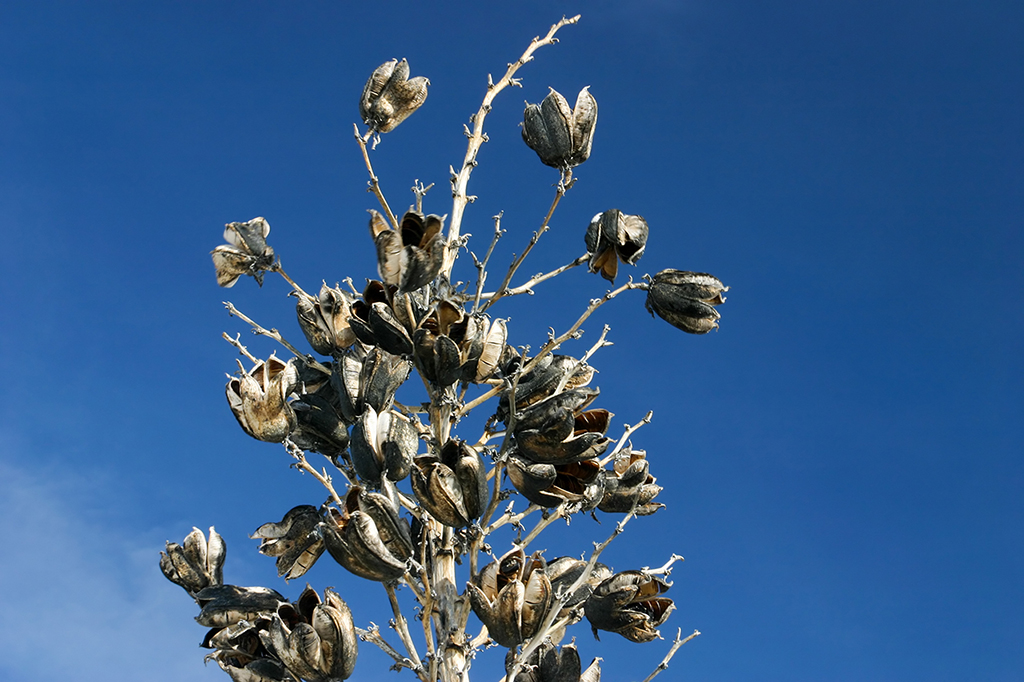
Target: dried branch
630, 430
527, 287
402, 626
374, 184
237, 343
276, 335
460, 180
373, 636
420, 191
482, 266
678, 642
279, 270
325, 480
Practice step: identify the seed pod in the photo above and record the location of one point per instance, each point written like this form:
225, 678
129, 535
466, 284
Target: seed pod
319, 425
550, 663
368, 537
246, 252
258, 399
411, 257
557, 430
630, 603
383, 443
686, 300
511, 596
257, 670
613, 236
390, 96
324, 320
196, 563
224, 605
629, 486
316, 641
295, 541
549, 485
367, 378
452, 488
552, 372
561, 136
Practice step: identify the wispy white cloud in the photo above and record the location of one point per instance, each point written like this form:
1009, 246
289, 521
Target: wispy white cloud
83, 601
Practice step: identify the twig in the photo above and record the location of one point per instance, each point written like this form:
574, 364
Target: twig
460, 180
678, 642
630, 430
482, 266
374, 183
665, 569
420, 191
373, 636
237, 343
527, 287
403, 631
279, 270
503, 288
302, 465
558, 513
276, 335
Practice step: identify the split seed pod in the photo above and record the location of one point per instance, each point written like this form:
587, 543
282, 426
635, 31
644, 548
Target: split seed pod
224, 605
368, 537
686, 300
550, 663
557, 430
511, 596
317, 640
295, 541
367, 378
452, 488
258, 399
320, 427
390, 96
629, 486
324, 320
412, 256
197, 563
549, 485
630, 603
613, 236
561, 136
383, 443
246, 253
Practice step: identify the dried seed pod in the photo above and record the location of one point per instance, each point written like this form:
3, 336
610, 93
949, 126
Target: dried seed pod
630, 604
452, 487
552, 372
254, 670
320, 427
383, 444
368, 537
511, 596
367, 378
686, 300
258, 399
197, 563
613, 236
295, 541
629, 487
561, 136
390, 96
557, 430
224, 605
316, 641
549, 485
550, 663
440, 358
324, 320
246, 253
411, 257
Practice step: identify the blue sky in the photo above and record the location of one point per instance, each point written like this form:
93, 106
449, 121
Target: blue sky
841, 460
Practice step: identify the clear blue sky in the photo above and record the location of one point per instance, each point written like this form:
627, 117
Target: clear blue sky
842, 460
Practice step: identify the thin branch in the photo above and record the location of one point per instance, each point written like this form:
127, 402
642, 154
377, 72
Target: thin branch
460, 180
374, 182
373, 636
482, 266
678, 642
558, 513
666, 569
420, 191
302, 465
403, 631
279, 270
630, 430
503, 288
276, 335
237, 343
527, 287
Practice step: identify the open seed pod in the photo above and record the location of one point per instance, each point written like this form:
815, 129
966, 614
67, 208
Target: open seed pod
383, 444
452, 487
686, 300
316, 640
197, 563
561, 136
613, 236
324, 321
549, 485
246, 252
224, 605
295, 541
368, 537
511, 596
557, 430
440, 358
630, 603
550, 663
483, 348
319, 426
367, 378
629, 486
258, 399
543, 380
412, 256
390, 96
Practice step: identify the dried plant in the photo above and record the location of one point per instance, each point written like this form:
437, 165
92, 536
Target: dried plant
420, 507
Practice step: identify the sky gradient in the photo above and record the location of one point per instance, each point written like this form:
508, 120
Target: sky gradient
842, 460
